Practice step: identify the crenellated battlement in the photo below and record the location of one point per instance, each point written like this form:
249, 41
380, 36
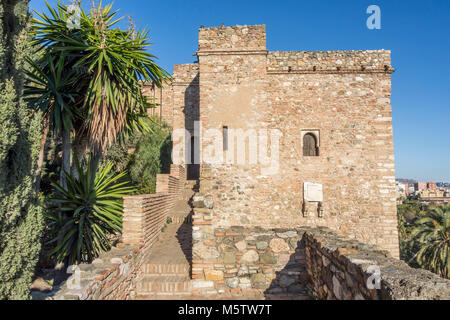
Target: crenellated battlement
232, 38
330, 61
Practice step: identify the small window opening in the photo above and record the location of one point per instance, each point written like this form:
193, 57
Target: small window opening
310, 145
225, 138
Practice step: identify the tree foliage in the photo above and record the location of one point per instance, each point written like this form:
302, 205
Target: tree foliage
152, 156
143, 155
102, 64
432, 233
21, 221
424, 236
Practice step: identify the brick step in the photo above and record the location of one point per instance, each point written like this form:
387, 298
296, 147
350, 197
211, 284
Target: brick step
181, 219
164, 285
169, 269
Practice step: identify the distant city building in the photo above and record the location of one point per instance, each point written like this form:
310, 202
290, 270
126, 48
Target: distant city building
402, 189
433, 195
419, 186
431, 186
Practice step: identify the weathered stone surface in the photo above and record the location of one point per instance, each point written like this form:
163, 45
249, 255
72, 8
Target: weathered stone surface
213, 275
233, 283
250, 256
262, 245
258, 281
268, 258
198, 202
241, 245
243, 271
200, 284
337, 289
206, 252
208, 203
296, 288
229, 258
287, 234
285, 281
279, 245
41, 285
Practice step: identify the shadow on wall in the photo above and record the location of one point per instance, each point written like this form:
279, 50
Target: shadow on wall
291, 282
184, 233
191, 115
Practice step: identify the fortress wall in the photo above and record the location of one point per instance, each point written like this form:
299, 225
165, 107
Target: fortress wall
320, 61
245, 88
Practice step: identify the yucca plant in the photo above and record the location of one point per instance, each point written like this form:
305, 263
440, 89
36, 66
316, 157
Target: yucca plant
51, 88
92, 207
431, 233
113, 63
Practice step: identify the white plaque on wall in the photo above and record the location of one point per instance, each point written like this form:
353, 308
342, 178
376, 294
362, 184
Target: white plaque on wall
313, 192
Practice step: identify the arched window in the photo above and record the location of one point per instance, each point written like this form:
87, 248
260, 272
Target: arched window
310, 145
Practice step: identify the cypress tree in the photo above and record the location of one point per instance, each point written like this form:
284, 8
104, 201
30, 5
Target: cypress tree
21, 221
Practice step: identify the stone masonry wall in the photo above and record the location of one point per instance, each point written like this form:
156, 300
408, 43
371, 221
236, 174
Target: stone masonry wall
326, 61
339, 269
112, 276
232, 38
299, 262
344, 97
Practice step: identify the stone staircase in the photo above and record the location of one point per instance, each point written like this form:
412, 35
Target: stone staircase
166, 274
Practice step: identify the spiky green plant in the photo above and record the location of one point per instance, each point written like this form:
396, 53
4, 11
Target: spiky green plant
113, 63
431, 232
93, 211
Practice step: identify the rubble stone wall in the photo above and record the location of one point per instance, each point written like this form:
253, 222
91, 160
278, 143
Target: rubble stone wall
309, 262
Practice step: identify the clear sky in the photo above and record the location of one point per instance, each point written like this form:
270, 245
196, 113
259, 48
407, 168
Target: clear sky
417, 32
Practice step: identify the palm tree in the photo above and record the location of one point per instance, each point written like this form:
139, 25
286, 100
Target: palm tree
51, 88
113, 63
431, 232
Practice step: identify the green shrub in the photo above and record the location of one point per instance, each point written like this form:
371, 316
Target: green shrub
92, 211
152, 156
21, 221
143, 155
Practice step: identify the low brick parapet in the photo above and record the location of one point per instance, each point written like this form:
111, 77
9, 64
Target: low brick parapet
113, 275
110, 277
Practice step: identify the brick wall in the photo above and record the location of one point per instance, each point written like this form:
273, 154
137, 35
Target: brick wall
112, 276
163, 97
144, 216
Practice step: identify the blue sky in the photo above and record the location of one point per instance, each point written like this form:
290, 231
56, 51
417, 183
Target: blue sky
417, 32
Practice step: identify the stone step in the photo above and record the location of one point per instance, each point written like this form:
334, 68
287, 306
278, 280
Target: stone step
164, 285
178, 219
166, 269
